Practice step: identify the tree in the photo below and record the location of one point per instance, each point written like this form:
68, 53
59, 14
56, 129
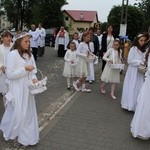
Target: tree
49, 13
134, 21
19, 14
34, 11
144, 6
103, 26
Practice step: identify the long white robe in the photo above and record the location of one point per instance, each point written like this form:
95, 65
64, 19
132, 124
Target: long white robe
42, 34
91, 77
133, 80
62, 40
140, 125
34, 38
3, 58
20, 117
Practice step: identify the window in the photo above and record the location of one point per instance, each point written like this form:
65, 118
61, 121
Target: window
66, 18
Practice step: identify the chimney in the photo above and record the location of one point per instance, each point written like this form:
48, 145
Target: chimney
81, 16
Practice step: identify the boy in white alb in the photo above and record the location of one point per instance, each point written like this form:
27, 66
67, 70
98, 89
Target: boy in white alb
41, 40
34, 40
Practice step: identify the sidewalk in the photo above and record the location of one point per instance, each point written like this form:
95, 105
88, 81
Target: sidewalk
91, 121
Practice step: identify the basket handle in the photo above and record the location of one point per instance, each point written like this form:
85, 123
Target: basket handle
42, 76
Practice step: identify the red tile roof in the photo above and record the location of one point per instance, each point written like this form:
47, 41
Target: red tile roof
82, 15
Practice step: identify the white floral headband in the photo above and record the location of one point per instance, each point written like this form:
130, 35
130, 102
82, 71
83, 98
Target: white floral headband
140, 35
21, 35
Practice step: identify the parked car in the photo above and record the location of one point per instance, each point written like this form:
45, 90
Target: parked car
50, 36
13, 32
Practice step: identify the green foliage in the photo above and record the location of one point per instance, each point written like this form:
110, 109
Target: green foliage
144, 6
46, 11
9, 6
49, 13
103, 26
135, 20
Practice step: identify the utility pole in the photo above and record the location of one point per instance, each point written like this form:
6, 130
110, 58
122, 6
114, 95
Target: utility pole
124, 14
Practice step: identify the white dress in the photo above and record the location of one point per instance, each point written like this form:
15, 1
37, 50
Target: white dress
91, 64
82, 69
70, 68
133, 80
140, 125
110, 75
20, 117
3, 58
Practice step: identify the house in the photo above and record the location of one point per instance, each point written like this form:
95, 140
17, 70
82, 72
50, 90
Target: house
80, 19
4, 23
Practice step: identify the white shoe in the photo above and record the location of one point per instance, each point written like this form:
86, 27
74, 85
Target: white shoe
90, 81
86, 90
75, 86
143, 138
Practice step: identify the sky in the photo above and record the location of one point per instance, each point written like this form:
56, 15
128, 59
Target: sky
102, 7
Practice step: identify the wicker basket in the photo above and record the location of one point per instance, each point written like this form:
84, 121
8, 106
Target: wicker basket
90, 58
117, 66
40, 86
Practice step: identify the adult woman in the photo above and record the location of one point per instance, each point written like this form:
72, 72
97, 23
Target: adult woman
19, 122
107, 42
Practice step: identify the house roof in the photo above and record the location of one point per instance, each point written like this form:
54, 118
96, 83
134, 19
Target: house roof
82, 15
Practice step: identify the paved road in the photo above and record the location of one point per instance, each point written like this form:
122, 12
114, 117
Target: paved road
86, 121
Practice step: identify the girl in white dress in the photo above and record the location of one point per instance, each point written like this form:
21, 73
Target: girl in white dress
140, 125
109, 75
134, 80
70, 63
4, 50
19, 122
82, 68
91, 77
75, 39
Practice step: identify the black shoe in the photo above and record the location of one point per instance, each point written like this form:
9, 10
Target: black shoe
68, 88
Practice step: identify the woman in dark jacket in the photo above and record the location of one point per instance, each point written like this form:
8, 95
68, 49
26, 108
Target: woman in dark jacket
107, 42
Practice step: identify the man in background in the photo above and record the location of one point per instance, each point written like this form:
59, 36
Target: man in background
34, 40
41, 40
61, 42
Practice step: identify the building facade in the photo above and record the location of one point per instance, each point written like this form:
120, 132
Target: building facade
76, 19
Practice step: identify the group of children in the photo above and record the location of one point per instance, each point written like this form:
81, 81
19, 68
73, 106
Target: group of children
78, 62
135, 94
